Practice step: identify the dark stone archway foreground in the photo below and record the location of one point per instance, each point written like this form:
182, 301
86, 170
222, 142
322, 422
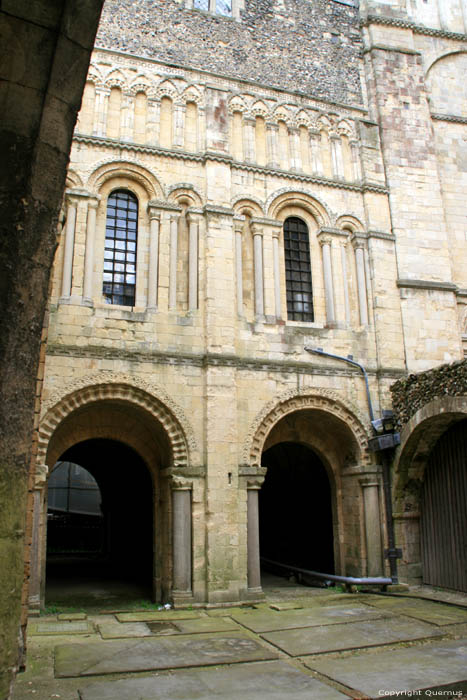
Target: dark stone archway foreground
46, 51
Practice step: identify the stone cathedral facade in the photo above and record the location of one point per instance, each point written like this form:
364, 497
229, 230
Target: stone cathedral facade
249, 179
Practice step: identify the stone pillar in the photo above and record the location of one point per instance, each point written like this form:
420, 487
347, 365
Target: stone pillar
325, 243
153, 120
153, 272
89, 254
345, 281
253, 553
69, 246
295, 154
249, 128
127, 117
259, 274
359, 247
337, 157
373, 525
100, 111
355, 156
277, 276
272, 136
179, 125
38, 539
193, 261
173, 262
315, 150
181, 536
238, 226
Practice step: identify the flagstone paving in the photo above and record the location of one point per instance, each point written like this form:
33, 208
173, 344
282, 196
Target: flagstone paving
363, 645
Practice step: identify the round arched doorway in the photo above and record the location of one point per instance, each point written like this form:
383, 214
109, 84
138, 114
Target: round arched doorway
295, 509
99, 525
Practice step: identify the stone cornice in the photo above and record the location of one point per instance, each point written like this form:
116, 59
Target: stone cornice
456, 119
426, 284
407, 24
214, 360
167, 206
395, 49
382, 234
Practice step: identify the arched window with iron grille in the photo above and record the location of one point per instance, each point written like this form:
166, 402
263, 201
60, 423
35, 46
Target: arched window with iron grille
298, 270
121, 234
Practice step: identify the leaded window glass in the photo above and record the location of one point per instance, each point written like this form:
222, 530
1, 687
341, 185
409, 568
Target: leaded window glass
201, 4
224, 7
121, 232
298, 270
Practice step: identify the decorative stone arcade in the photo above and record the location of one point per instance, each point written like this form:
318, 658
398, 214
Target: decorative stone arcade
128, 414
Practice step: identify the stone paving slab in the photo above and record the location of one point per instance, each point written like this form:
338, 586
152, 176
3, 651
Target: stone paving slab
315, 640
268, 621
120, 630
229, 612
436, 613
275, 680
151, 654
167, 615
60, 628
72, 616
206, 624
412, 668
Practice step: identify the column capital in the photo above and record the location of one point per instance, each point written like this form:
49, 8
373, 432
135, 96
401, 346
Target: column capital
94, 201
358, 240
324, 239
180, 483
272, 125
256, 229
194, 214
292, 129
239, 222
251, 121
164, 206
40, 475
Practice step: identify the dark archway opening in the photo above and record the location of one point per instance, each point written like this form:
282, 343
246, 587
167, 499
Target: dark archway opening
295, 509
100, 526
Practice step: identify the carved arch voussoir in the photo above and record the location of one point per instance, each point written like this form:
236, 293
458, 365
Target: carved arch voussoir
108, 386
307, 398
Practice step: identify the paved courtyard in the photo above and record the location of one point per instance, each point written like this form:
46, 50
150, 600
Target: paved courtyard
309, 644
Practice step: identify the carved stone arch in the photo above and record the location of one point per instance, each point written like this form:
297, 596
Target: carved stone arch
94, 76
184, 191
192, 94
291, 401
141, 84
445, 74
247, 202
115, 79
237, 104
108, 386
73, 180
439, 58
300, 198
302, 118
418, 438
345, 128
282, 113
350, 222
126, 169
259, 109
324, 123
167, 89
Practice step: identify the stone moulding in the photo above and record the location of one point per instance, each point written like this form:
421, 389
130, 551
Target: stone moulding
108, 386
454, 118
407, 24
426, 284
308, 398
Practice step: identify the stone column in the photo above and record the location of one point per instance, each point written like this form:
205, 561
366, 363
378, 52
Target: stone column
355, 156
337, 156
179, 125
277, 276
193, 261
173, 262
89, 254
325, 243
315, 150
272, 136
238, 227
38, 538
259, 274
295, 154
69, 246
253, 553
100, 111
153, 272
249, 127
373, 526
127, 117
345, 281
181, 531
359, 248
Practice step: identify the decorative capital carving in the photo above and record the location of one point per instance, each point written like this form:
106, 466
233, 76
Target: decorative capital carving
256, 229
324, 240
40, 477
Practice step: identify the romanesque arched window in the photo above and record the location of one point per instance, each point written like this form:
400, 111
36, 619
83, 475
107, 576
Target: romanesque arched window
121, 233
298, 270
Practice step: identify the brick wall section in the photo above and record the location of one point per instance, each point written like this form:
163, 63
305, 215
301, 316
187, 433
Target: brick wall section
311, 47
411, 394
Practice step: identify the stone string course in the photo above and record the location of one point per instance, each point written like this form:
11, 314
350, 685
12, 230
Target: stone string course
317, 53
411, 394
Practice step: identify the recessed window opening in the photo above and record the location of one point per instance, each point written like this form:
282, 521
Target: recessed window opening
298, 270
121, 232
217, 7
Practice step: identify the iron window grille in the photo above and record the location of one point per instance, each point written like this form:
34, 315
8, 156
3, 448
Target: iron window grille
121, 232
298, 270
